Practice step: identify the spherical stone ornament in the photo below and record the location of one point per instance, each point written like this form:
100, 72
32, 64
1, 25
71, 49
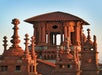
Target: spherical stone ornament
15, 21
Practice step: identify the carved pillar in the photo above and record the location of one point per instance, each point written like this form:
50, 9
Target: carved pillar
61, 37
69, 34
51, 38
43, 34
65, 32
48, 38
77, 33
35, 34
40, 34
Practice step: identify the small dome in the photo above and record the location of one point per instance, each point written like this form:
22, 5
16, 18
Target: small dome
88, 43
14, 52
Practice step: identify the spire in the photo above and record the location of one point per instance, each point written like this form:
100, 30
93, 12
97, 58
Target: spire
26, 46
33, 46
88, 43
95, 43
33, 53
15, 41
94, 38
88, 37
15, 49
5, 43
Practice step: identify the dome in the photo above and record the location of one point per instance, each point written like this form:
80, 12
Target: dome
14, 52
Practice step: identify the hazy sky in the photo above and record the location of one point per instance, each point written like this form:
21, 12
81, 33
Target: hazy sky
89, 10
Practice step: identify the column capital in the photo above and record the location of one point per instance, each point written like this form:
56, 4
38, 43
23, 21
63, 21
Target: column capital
78, 24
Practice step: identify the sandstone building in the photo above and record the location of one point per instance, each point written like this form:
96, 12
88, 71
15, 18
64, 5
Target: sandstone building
58, 47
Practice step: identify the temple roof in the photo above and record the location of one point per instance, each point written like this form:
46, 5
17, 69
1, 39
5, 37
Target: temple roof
55, 16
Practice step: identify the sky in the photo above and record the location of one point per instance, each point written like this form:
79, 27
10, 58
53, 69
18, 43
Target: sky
89, 10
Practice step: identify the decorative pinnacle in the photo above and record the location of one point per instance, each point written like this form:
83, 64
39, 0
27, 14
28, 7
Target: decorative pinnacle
15, 41
88, 37
26, 44
5, 43
33, 55
94, 38
33, 46
95, 43
32, 41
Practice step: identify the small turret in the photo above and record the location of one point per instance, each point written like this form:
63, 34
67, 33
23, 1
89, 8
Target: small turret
89, 57
66, 64
88, 44
15, 49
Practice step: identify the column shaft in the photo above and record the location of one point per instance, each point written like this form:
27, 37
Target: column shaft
43, 34
65, 33
40, 34
48, 38
68, 34
61, 37
77, 34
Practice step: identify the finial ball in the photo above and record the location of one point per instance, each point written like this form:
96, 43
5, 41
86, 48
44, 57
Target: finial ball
15, 21
26, 35
5, 37
88, 29
33, 38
